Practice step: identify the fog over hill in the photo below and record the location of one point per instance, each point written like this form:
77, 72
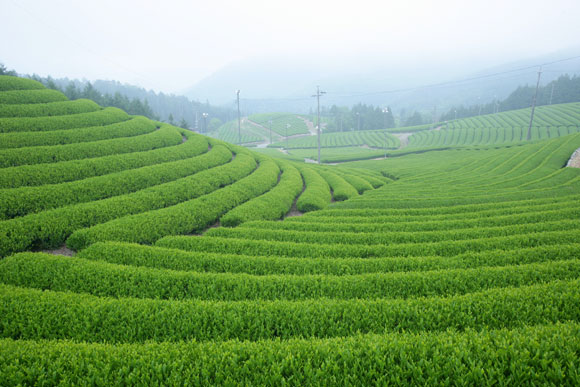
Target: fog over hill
286, 83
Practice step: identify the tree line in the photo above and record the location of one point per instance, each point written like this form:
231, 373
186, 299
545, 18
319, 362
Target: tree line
562, 90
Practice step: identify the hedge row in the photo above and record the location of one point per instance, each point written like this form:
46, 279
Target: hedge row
174, 259
385, 217
486, 357
24, 200
53, 173
58, 273
51, 228
132, 127
8, 82
359, 183
393, 238
416, 208
341, 190
316, 194
61, 108
274, 204
104, 116
369, 225
316, 250
164, 137
30, 314
31, 96
190, 216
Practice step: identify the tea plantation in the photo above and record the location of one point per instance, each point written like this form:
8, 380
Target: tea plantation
458, 266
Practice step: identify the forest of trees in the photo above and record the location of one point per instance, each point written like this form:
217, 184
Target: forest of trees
564, 89
359, 117
177, 110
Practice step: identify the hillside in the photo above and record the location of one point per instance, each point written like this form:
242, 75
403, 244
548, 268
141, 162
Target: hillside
453, 266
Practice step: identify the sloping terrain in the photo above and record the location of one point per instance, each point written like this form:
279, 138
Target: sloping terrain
458, 266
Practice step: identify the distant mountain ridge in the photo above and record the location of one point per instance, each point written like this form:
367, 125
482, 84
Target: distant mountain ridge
286, 84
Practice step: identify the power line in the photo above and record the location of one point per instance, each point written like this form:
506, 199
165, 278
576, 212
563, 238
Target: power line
427, 86
360, 94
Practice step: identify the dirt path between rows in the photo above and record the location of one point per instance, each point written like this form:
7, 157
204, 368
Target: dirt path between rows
404, 136
309, 125
574, 161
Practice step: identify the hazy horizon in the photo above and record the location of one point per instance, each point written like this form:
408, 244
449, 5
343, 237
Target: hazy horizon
172, 47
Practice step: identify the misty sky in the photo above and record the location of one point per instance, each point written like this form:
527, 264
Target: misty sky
170, 45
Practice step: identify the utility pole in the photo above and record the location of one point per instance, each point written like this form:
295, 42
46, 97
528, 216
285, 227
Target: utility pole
270, 122
317, 95
552, 93
239, 119
204, 129
385, 112
358, 121
534, 105
196, 122
434, 117
287, 126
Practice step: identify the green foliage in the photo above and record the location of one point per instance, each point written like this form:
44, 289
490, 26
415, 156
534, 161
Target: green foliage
65, 171
31, 96
284, 124
461, 267
40, 124
24, 200
129, 128
530, 355
10, 82
48, 109
274, 204
341, 189
93, 319
373, 138
190, 216
229, 132
51, 228
316, 193
164, 137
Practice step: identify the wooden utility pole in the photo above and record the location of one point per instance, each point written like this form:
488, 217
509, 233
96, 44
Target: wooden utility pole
239, 119
534, 105
317, 95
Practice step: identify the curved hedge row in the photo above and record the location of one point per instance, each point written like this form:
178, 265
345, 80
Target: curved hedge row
359, 183
102, 117
190, 216
24, 200
316, 194
164, 137
61, 108
58, 273
51, 228
30, 314
65, 171
31, 96
174, 259
8, 82
393, 238
317, 250
274, 204
413, 224
341, 190
130, 128
486, 357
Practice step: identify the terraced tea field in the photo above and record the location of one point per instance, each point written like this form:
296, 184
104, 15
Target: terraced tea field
459, 266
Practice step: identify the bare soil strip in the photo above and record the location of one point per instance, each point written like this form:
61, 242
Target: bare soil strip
574, 161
